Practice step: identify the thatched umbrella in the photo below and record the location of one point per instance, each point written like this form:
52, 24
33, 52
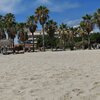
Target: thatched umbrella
5, 44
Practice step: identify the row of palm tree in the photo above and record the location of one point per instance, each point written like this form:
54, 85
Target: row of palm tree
65, 33
9, 25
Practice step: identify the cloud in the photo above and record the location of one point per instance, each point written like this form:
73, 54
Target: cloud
73, 22
43, 1
18, 6
96, 29
7, 6
64, 6
57, 6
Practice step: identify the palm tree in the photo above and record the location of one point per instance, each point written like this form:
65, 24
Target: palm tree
87, 25
50, 28
72, 32
22, 34
10, 26
42, 15
63, 34
82, 34
2, 32
96, 17
32, 24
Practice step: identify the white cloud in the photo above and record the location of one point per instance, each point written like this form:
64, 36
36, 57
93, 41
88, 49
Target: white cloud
64, 6
43, 1
57, 6
17, 6
7, 6
96, 29
73, 22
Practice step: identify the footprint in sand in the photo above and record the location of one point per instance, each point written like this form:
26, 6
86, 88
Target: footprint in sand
66, 96
19, 91
96, 86
35, 77
71, 95
33, 92
78, 91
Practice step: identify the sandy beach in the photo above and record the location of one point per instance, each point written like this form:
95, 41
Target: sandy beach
65, 75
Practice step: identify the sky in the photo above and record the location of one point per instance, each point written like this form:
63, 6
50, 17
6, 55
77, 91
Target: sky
66, 11
69, 12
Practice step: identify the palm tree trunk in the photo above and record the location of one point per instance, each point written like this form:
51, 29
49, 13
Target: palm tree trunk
64, 48
82, 42
43, 38
24, 46
51, 43
33, 41
89, 47
13, 46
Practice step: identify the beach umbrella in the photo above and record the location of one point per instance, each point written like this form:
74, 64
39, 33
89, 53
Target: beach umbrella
6, 42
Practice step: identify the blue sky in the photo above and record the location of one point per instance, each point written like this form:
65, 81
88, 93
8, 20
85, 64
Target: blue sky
67, 11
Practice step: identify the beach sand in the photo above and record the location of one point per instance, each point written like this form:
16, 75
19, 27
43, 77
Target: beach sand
65, 75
